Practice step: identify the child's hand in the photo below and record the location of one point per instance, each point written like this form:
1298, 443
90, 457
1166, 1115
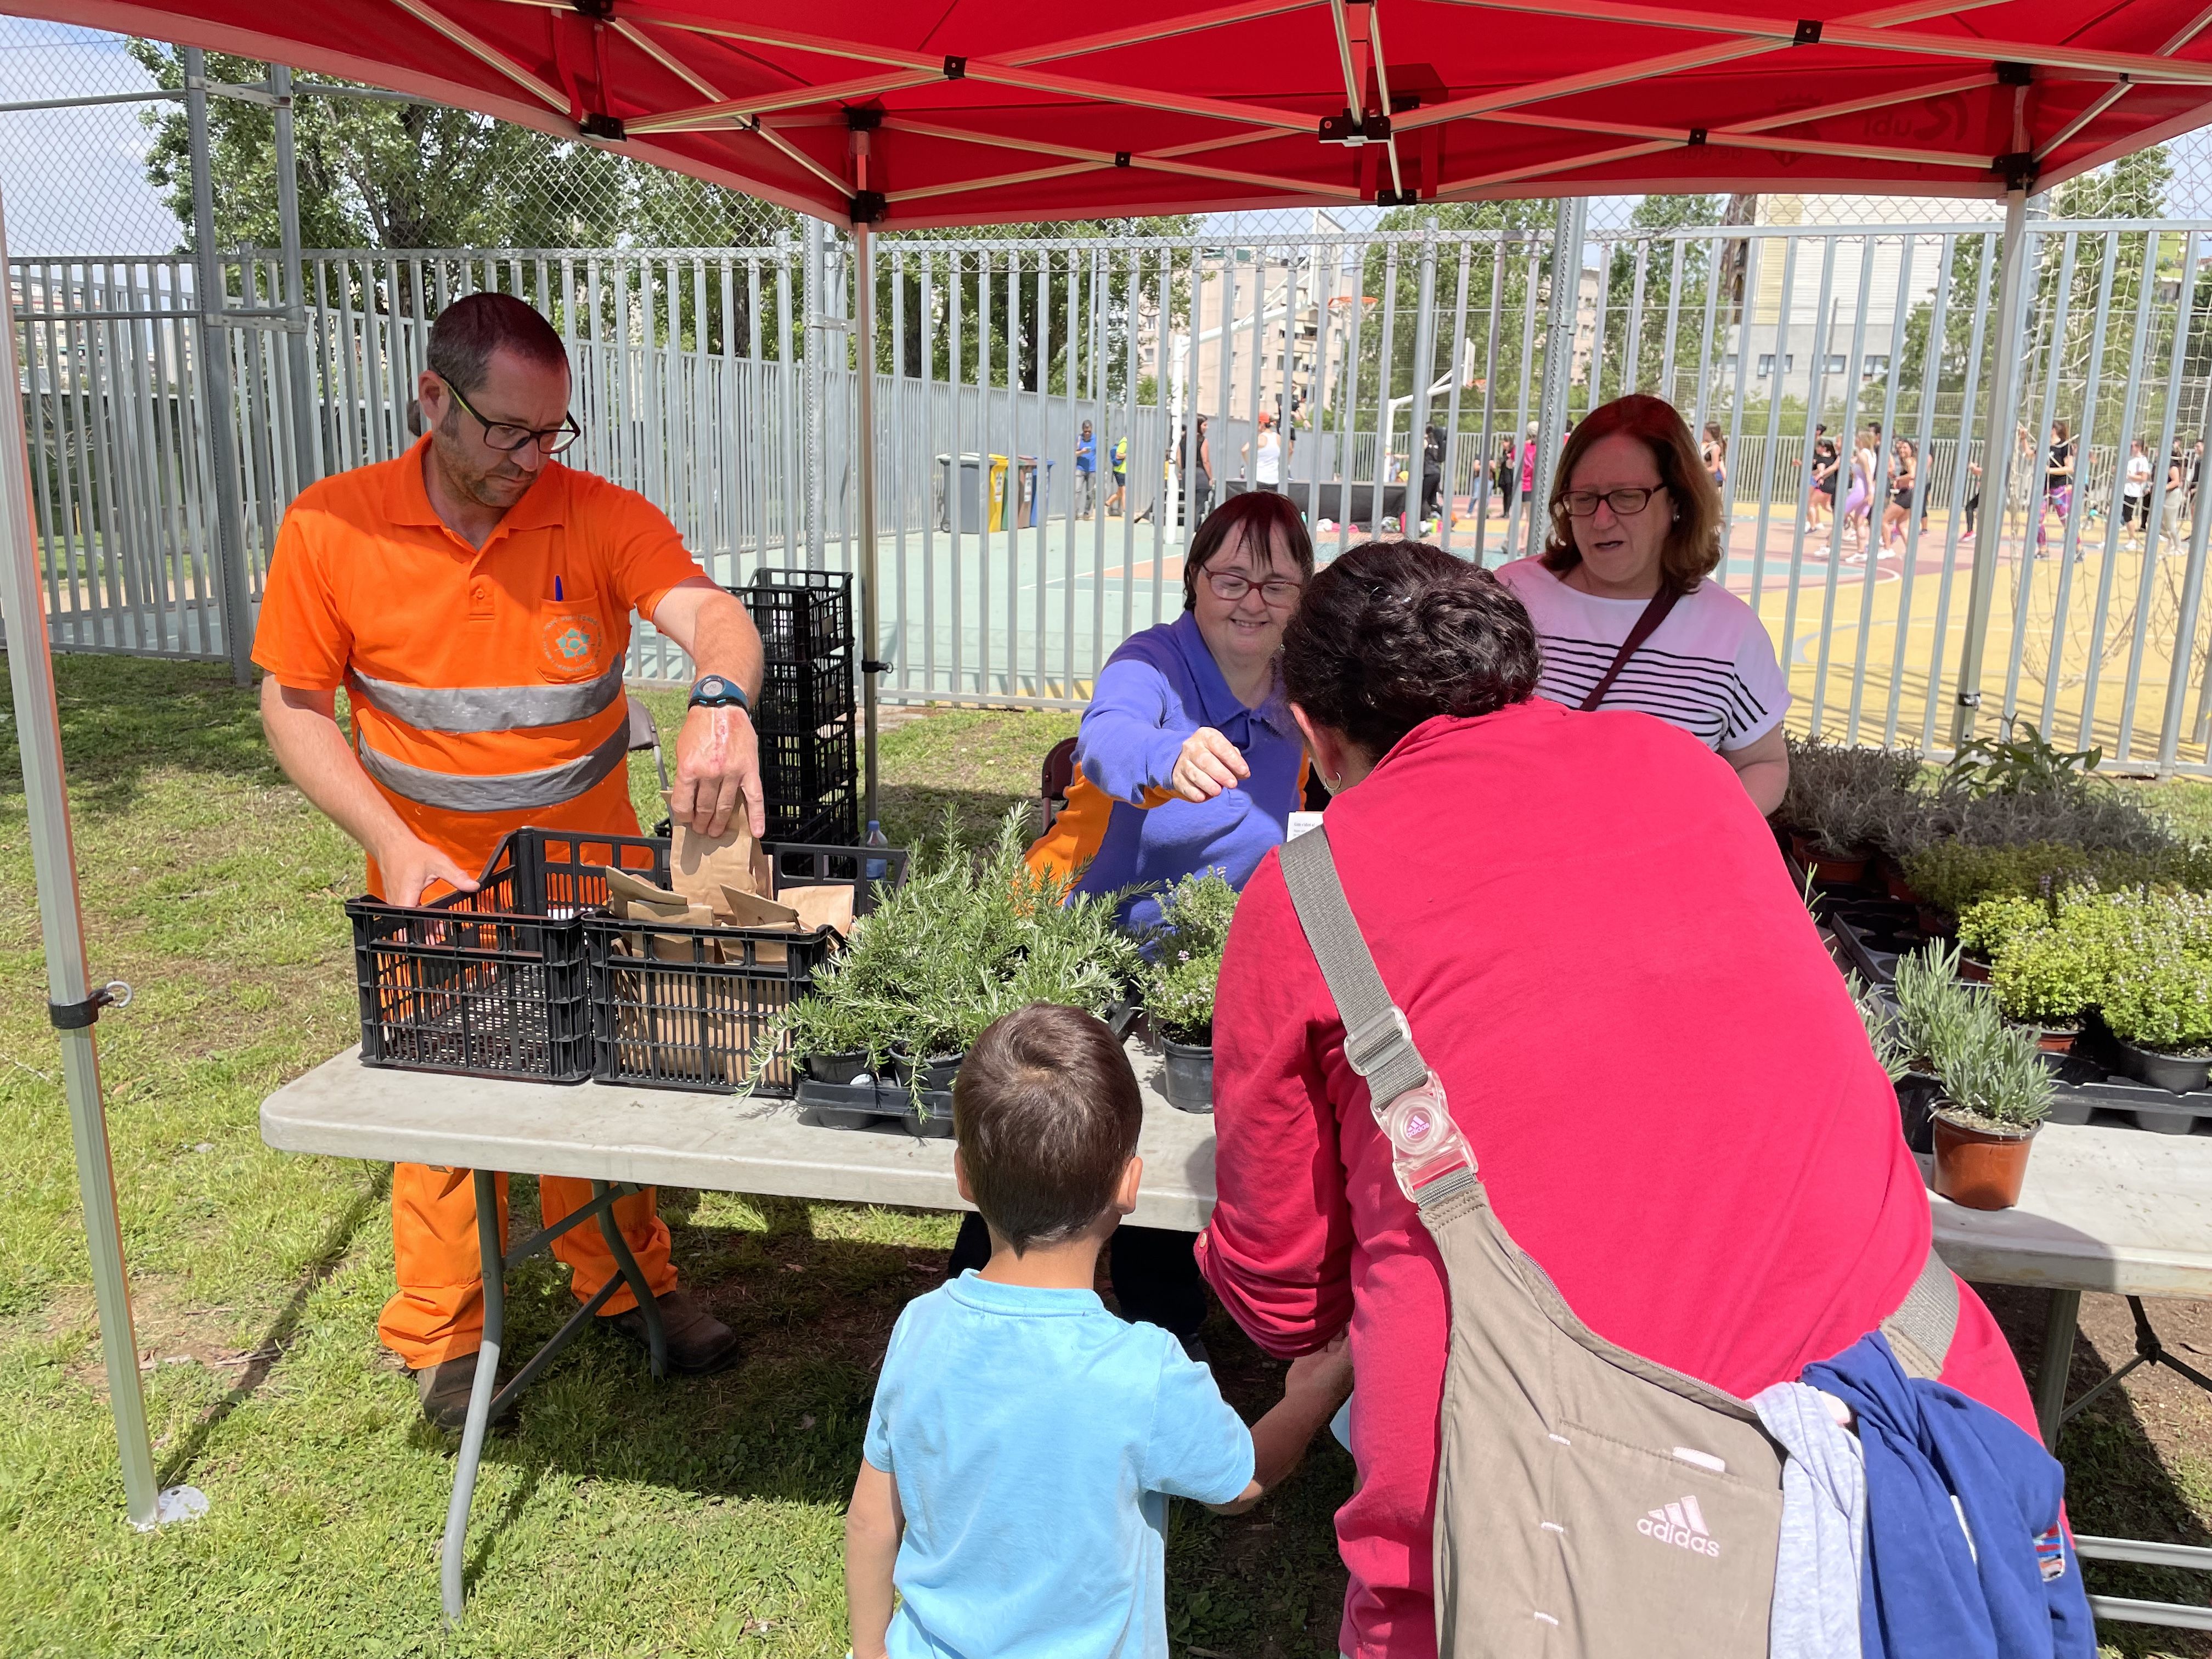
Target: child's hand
1323, 1379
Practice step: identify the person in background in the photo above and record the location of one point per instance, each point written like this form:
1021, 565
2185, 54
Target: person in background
1678, 1119
1715, 455
1903, 478
473, 597
1508, 478
2135, 492
1120, 456
1086, 475
1636, 522
1265, 469
1186, 761
1432, 472
1528, 463
1821, 497
2172, 542
1192, 452
2057, 481
1023, 1443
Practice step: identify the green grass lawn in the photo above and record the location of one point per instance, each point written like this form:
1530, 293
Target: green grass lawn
618, 1516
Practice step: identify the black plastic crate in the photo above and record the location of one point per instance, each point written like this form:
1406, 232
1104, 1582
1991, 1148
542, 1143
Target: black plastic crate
802, 615
496, 982
677, 1007
799, 769
805, 696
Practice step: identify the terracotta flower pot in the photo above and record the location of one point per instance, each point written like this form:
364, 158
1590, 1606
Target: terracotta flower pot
1844, 869
1977, 1168
1899, 889
2058, 1039
1973, 969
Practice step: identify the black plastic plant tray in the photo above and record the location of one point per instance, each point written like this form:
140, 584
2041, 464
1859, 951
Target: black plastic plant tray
492, 983
869, 1105
2090, 1081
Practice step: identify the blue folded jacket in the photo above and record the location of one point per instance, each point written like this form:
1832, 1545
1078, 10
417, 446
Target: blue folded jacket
1966, 1557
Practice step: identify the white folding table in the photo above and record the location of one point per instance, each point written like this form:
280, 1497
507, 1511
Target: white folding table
2105, 1208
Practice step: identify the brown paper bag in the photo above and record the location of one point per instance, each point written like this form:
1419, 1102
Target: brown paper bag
700, 866
827, 906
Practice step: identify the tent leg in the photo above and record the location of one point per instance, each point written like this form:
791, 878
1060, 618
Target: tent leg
1996, 467
301, 409
38, 727
864, 286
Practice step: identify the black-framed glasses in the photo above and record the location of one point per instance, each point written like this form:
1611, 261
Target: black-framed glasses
507, 438
1625, 503
1230, 586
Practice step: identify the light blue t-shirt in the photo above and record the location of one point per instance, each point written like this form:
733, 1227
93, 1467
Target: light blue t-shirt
1035, 1439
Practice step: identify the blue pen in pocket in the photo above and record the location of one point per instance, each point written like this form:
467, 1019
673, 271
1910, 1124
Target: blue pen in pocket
556, 590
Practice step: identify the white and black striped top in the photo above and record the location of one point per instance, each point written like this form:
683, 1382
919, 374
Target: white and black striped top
1710, 668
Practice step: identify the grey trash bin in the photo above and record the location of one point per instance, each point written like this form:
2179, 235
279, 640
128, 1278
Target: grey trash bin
972, 515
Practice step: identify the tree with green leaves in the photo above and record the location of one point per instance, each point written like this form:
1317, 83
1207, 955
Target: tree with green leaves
1669, 263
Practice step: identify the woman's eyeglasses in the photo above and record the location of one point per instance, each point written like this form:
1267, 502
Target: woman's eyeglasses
1625, 503
1278, 591
508, 439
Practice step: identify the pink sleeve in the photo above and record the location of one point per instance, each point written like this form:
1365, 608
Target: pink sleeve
1278, 1251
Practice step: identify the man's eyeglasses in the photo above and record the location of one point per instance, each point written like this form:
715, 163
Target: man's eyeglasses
1625, 503
507, 438
1279, 591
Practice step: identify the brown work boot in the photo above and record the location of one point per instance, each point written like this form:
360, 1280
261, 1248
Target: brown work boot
444, 1389
698, 1343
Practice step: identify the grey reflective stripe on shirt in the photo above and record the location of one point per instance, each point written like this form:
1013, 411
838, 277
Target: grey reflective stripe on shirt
497, 792
467, 708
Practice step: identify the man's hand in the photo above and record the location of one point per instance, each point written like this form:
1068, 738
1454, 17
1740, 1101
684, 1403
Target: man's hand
717, 770
1209, 763
408, 864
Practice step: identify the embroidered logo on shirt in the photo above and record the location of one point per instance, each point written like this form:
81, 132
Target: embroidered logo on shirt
1681, 1524
2050, 1553
572, 641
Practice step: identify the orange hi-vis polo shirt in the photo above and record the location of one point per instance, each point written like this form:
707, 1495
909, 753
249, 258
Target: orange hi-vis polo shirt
485, 683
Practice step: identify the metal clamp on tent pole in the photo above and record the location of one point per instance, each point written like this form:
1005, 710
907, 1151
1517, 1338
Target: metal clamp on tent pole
869, 667
76, 1016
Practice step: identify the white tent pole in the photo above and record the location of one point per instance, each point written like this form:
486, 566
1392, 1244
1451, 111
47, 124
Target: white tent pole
1996, 465
1561, 319
864, 281
38, 731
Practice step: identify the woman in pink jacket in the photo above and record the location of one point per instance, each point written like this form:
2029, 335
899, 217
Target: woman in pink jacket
1665, 1083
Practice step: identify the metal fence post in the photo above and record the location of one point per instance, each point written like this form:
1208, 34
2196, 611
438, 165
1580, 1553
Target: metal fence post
815, 312
303, 403
1424, 352
1558, 358
1996, 468
235, 594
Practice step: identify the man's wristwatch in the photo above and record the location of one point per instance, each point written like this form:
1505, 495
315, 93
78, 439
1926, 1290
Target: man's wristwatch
714, 691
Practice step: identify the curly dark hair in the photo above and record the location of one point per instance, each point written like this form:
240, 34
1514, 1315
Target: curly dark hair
1396, 633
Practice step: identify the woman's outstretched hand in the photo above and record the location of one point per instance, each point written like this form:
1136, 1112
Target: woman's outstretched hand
1209, 763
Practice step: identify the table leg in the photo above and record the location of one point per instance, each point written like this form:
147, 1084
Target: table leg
656, 1338
492, 1266
2058, 1326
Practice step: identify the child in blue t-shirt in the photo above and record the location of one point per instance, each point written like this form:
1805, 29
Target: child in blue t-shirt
1024, 1442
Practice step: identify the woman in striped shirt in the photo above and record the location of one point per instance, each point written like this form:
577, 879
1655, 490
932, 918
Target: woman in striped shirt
1634, 515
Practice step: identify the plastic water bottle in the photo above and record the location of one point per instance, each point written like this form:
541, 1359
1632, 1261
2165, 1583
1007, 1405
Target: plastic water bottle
877, 869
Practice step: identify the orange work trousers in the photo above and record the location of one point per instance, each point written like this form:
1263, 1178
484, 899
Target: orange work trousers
437, 1312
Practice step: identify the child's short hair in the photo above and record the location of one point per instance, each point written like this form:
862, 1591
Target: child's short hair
1045, 1111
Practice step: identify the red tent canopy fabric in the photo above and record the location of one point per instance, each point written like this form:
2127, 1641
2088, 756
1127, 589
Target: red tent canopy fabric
992, 111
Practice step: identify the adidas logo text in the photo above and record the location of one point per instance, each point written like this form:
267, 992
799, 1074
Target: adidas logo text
1682, 1525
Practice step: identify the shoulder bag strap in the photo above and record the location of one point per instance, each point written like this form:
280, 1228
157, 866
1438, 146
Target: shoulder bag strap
1405, 1096
1646, 625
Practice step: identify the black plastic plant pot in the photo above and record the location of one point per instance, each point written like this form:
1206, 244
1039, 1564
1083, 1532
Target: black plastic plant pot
1917, 1094
1190, 1075
937, 1072
2179, 1074
838, 1067
935, 1125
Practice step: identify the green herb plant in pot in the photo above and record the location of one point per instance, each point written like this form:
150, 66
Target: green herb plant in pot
1929, 998
2159, 1008
1996, 1093
1180, 980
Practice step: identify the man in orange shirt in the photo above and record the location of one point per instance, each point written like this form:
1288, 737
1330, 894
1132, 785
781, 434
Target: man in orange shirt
473, 597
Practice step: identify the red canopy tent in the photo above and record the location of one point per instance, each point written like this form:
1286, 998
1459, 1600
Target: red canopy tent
974, 111
992, 111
